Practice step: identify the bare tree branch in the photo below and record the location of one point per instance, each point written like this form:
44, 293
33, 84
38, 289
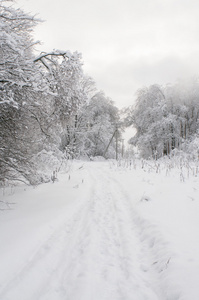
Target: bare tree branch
64, 54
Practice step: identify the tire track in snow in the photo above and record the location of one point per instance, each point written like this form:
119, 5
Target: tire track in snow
155, 251
131, 281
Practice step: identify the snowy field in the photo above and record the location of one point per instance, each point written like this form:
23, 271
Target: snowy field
102, 231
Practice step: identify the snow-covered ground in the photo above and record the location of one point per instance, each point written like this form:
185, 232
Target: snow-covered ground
102, 231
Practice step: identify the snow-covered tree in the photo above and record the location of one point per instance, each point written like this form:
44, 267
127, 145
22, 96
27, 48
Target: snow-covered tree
19, 85
97, 125
146, 118
64, 79
165, 118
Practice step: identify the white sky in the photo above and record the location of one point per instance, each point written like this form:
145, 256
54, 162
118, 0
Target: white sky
125, 44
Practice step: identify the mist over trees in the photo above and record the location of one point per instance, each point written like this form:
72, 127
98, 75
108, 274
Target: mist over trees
166, 119
47, 103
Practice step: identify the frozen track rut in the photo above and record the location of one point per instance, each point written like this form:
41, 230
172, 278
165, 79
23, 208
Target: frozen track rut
95, 254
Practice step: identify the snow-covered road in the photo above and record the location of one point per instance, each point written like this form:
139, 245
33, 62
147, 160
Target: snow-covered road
83, 238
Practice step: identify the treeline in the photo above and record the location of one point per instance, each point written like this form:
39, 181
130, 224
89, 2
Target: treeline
166, 119
47, 103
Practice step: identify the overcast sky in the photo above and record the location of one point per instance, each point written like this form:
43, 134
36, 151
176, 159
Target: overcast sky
126, 44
